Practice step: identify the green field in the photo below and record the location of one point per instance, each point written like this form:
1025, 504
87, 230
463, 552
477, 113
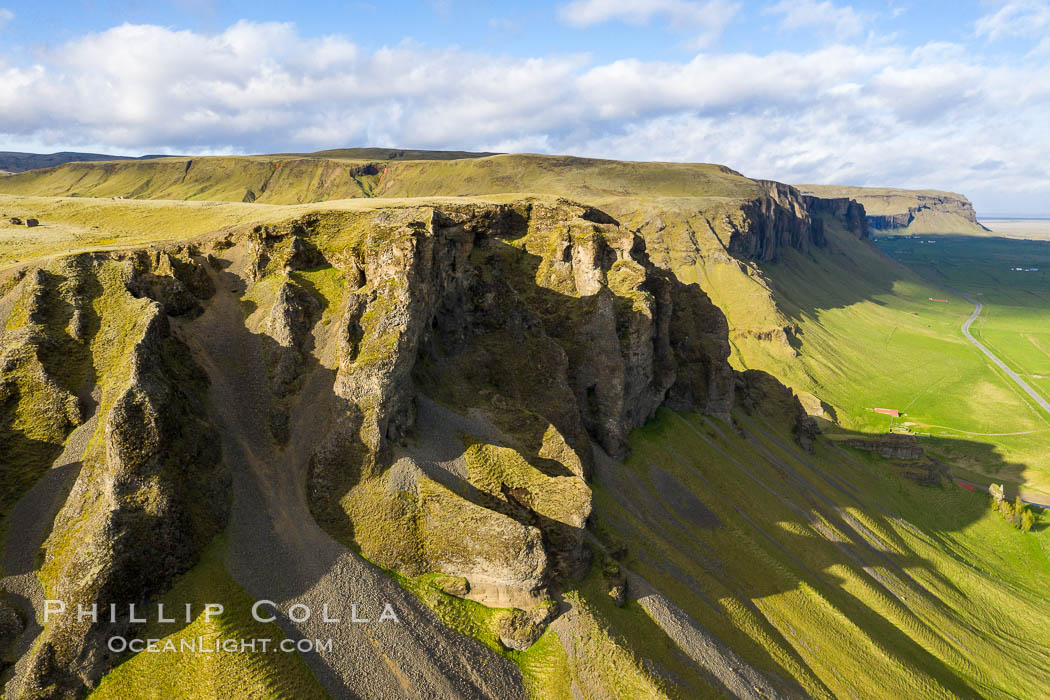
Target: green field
1014, 324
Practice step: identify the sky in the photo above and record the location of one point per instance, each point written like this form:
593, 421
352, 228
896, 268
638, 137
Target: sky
944, 95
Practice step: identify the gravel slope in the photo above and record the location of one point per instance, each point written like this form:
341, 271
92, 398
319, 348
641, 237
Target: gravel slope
277, 552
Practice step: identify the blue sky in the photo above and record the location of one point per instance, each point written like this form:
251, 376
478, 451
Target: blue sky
943, 95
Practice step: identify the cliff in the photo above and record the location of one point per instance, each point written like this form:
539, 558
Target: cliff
908, 211
547, 324
87, 346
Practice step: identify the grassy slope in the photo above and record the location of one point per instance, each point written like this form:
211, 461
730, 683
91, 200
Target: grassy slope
292, 180
202, 674
828, 569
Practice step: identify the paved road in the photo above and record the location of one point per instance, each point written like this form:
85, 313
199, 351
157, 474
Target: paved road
1002, 365
973, 485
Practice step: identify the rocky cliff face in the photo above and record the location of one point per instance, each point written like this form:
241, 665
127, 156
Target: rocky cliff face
545, 325
848, 212
760, 229
150, 491
768, 224
919, 211
926, 204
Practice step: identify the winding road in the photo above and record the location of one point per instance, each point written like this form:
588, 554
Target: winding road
1002, 365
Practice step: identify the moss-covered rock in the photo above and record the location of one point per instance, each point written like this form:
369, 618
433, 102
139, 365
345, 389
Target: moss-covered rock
452, 585
152, 491
519, 629
546, 318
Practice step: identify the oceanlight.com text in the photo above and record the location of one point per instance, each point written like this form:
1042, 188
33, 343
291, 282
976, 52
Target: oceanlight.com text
214, 645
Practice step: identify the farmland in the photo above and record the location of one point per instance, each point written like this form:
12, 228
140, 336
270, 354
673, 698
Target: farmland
1014, 324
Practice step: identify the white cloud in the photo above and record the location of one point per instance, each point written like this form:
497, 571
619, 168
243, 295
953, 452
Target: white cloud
837, 22
937, 116
709, 18
1023, 18
5, 17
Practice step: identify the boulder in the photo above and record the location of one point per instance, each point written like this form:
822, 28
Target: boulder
519, 629
16, 221
32, 222
452, 585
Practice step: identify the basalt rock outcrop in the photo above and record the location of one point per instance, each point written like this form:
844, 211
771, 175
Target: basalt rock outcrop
151, 487
848, 211
10, 627
759, 229
889, 446
909, 457
175, 278
923, 211
289, 323
544, 325
766, 225
762, 393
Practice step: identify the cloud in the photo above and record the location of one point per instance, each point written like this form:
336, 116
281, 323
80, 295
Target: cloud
837, 22
709, 18
878, 114
1025, 18
5, 17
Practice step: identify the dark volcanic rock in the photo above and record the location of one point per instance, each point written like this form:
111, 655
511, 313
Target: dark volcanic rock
519, 629
10, 627
289, 323
759, 392
848, 211
176, 278
778, 220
